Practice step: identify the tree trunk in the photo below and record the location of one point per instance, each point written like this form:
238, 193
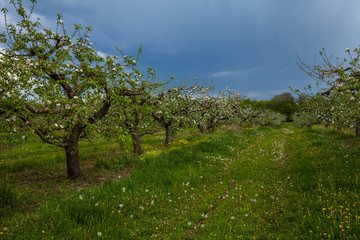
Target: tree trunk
72, 152
169, 135
72, 160
357, 132
136, 142
211, 126
201, 128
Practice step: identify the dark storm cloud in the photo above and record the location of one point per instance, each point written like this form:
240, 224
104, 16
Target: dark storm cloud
247, 45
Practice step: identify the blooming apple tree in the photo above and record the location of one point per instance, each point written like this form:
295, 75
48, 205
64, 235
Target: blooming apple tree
341, 86
131, 115
55, 83
172, 106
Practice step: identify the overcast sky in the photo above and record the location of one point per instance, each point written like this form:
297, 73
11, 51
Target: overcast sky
248, 45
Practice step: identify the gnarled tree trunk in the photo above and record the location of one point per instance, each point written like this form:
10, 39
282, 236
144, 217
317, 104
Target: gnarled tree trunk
72, 152
201, 128
72, 160
169, 134
136, 141
357, 132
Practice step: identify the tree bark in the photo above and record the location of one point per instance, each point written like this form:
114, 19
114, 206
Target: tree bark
136, 143
169, 135
212, 124
72, 160
201, 128
357, 132
72, 152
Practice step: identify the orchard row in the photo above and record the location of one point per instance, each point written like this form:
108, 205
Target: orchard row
56, 85
337, 102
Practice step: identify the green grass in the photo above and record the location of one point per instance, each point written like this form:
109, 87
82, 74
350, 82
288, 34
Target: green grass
283, 182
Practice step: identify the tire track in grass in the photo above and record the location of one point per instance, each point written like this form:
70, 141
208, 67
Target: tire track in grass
212, 190
235, 185
241, 212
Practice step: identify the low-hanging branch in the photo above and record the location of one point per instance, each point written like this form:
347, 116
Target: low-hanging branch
44, 110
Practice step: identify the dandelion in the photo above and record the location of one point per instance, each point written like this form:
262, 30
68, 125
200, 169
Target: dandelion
96, 204
246, 214
202, 225
146, 190
189, 223
81, 197
232, 217
123, 189
131, 216
121, 205
99, 234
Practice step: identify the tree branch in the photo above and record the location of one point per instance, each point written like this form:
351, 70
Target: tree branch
42, 110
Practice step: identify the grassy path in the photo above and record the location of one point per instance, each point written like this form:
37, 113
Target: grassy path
282, 183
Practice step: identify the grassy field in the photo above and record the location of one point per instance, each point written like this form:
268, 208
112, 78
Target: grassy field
283, 182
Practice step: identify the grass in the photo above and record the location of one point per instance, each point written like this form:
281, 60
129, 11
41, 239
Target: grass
284, 182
